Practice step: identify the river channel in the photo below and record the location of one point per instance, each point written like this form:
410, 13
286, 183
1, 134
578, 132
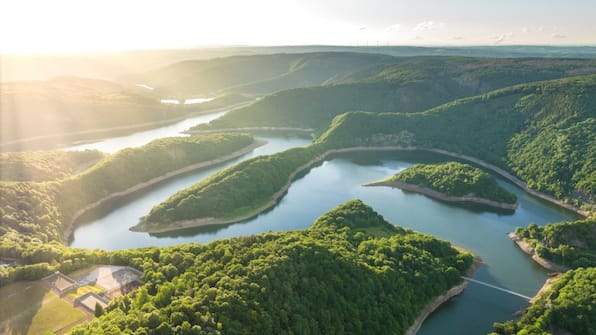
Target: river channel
339, 179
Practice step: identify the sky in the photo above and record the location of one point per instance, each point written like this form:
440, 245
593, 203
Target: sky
63, 26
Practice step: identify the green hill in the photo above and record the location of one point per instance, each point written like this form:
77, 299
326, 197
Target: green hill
331, 278
543, 132
253, 74
407, 85
507, 128
454, 179
71, 104
44, 165
566, 308
570, 244
44, 211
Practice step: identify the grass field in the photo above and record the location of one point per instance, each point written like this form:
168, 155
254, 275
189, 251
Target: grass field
84, 289
28, 308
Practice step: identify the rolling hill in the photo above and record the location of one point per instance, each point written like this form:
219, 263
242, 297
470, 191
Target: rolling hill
407, 85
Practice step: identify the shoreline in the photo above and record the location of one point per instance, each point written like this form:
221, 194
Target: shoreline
200, 222
124, 128
443, 298
444, 197
545, 287
243, 129
527, 249
67, 233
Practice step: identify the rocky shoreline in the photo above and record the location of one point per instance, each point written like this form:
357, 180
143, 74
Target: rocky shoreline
68, 231
527, 248
179, 225
441, 299
445, 197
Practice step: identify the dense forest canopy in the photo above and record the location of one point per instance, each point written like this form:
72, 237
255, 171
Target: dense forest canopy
43, 211
406, 85
455, 179
334, 277
566, 308
45, 165
352, 271
570, 244
498, 128
514, 128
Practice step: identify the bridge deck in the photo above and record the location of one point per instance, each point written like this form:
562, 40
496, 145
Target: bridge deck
497, 288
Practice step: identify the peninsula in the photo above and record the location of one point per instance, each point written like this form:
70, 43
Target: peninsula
452, 182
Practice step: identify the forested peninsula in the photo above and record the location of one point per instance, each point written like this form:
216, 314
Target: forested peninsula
554, 117
559, 246
311, 281
46, 211
452, 182
567, 307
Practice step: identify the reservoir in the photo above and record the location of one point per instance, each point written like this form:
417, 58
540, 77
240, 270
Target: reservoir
339, 179
329, 184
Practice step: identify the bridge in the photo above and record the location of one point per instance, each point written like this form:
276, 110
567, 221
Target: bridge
497, 288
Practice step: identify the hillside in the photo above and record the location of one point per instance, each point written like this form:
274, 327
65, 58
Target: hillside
497, 128
334, 277
45, 165
453, 180
45, 211
406, 85
258, 74
543, 132
568, 244
71, 104
566, 308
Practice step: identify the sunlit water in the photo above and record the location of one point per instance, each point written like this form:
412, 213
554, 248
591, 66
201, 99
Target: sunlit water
138, 139
340, 179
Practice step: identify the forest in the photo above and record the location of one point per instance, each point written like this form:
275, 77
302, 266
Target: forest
45, 165
404, 85
42, 211
455, 179
568, 306
351, 272
235, 191
517, 125
571, 244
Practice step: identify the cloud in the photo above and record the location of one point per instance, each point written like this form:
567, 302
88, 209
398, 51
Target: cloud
501, 38
362, 28
429, 26
457, 38
525, 29
559, 36
393, 28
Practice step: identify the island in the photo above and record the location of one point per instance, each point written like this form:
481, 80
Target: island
452, 182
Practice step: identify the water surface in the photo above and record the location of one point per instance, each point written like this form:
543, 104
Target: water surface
340, 179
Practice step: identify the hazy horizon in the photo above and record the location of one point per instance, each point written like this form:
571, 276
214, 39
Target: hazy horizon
66, 26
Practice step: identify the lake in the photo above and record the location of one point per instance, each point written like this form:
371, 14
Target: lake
339, 179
